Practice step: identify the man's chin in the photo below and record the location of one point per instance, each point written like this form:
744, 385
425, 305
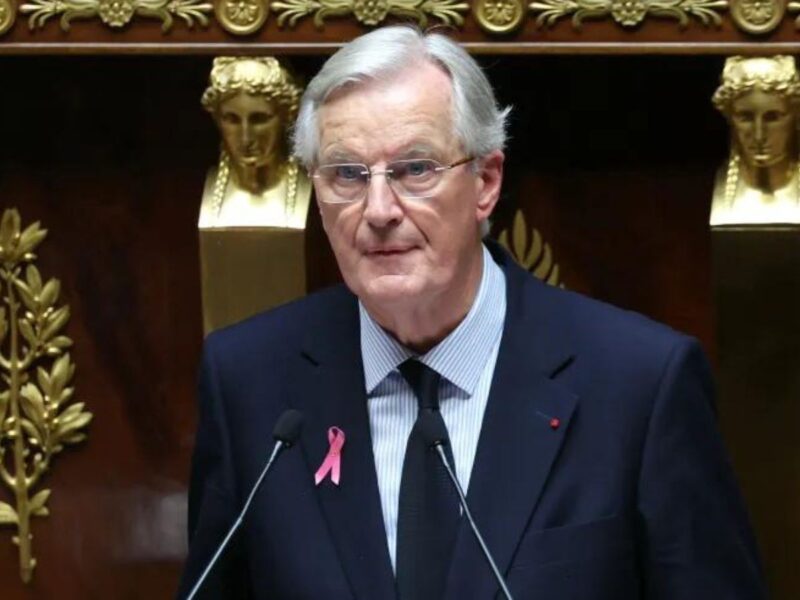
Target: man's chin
390, 289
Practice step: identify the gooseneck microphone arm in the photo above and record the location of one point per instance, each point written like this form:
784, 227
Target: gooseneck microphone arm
434, 432
287, 430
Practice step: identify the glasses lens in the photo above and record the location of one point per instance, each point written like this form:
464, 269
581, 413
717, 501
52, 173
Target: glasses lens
415, 178
343, 183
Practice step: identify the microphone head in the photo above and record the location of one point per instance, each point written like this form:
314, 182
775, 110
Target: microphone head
288, 427
432, 428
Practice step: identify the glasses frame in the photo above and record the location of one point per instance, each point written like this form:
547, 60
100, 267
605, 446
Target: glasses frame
370, 172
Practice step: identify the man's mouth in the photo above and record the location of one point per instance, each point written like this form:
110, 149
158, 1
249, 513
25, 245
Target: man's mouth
389, 251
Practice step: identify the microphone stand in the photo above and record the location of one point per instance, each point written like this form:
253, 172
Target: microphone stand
463, 500
279, 445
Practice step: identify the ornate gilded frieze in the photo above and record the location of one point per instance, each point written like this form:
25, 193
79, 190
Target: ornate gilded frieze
38, 416
499, 16
116, 13
530, 250
371, 12
241, 17
495, 17
8, 14
628, 13
757, 16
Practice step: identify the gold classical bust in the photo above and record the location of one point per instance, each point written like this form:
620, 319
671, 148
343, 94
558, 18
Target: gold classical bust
254, 101
760, 185
255, 202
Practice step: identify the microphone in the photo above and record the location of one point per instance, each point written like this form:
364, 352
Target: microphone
434, 432
286, 431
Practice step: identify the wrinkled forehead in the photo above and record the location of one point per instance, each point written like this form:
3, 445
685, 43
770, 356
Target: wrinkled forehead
407, 84
411, 107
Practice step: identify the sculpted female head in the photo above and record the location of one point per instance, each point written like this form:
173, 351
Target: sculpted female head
760, 97
252, 100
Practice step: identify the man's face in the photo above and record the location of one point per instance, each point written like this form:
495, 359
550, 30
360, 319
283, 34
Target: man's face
764, 127
394, 251
251, 129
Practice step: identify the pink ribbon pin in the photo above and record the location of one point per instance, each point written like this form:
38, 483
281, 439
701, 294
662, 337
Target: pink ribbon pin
333, 460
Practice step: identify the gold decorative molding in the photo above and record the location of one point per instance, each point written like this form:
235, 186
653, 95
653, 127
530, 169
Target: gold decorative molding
531, 251
37, 414
371, 12
8, 14
757, 16
794, 7
495, 17
241, 17
499, 16
116, 13
628, 13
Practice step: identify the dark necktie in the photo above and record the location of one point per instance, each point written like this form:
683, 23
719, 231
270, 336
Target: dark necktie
428, 509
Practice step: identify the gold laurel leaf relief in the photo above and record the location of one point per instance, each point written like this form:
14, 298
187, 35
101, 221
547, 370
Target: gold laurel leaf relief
371, 12
530, 250
627, 13
8, 14
499, 16
38, 414
241, 17
116, 13
757, 16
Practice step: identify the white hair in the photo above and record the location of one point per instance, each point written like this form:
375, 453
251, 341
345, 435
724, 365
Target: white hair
478, 122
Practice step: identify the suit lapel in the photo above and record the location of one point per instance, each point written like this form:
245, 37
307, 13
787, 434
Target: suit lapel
527, 418
330, 391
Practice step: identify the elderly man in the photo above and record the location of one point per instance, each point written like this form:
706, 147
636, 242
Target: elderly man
584, 435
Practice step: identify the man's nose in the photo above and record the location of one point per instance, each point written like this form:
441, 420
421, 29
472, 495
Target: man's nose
382, 206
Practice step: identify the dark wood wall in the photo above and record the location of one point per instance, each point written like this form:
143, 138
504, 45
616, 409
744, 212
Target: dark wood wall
611, 158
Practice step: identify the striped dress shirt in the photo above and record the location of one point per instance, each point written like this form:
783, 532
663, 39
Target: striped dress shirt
465, 359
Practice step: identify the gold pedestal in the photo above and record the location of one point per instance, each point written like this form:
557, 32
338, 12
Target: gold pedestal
247, 270
757, 288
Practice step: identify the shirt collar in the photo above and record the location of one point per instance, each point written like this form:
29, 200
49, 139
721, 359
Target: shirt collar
461, 356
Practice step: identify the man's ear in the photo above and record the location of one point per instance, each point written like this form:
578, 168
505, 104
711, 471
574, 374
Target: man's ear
490, 179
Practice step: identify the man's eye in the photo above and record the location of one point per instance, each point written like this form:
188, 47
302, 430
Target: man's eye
349, 172
417, 168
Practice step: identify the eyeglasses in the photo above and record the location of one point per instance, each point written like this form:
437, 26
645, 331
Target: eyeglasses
413, 178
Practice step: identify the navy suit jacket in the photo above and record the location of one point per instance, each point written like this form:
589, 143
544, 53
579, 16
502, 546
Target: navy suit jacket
631, 495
